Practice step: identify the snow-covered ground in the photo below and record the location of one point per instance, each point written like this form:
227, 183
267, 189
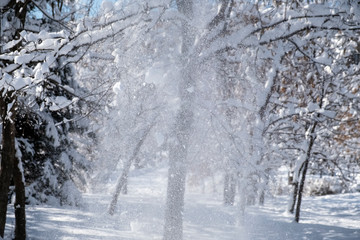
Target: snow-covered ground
139, 215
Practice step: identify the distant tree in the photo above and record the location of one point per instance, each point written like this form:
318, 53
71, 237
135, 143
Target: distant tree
311, 91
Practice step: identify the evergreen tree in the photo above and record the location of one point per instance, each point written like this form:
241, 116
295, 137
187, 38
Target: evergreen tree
39, 110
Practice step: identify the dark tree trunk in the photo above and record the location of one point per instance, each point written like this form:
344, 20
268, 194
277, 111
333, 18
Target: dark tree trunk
294, 197
301, 189
8, 122
304, 171
7, 158
19, 205
262, 198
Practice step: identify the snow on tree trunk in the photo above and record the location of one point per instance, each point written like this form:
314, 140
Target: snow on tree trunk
177, 164
173, 228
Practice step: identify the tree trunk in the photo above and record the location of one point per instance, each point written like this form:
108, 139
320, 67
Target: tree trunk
7, 158
122, 181
301, 189
19, 205
304, 171
294, 197
262, 198
173, 227
229, 189
242, 197
125, 188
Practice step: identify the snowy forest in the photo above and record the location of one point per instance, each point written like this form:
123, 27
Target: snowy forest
180, 119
